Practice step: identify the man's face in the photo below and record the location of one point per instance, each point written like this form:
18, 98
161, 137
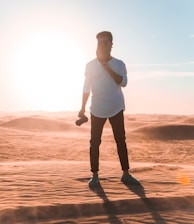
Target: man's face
104, 47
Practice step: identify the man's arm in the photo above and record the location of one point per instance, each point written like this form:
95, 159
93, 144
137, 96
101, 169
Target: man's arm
118, 79
85, 97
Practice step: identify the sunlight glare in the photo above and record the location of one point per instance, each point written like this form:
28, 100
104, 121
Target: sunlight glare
48, 72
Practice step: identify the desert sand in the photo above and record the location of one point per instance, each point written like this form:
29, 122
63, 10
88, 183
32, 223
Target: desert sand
44, 170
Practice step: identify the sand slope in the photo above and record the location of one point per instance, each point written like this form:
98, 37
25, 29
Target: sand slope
46, 191
44, 170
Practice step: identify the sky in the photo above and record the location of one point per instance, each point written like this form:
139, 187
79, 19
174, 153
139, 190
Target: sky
45, 45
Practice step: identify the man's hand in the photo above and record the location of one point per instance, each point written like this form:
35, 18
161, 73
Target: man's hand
118, 79
81, 113
106, 65
81, 120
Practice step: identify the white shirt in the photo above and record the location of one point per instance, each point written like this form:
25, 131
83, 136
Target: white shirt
107, 97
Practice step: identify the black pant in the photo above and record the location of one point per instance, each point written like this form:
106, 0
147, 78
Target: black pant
117, 123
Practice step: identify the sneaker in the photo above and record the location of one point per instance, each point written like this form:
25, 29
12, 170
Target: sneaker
128, 179
93, 182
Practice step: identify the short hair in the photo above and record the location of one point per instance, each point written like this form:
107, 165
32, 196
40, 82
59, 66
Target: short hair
105, 34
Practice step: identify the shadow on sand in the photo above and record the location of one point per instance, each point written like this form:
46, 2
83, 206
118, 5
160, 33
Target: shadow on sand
110, 209
140, 192
113, 209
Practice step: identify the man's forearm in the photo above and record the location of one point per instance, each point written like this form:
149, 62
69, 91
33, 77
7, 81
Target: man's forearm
84, 99
118, 79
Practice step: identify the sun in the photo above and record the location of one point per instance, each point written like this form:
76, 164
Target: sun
48, 71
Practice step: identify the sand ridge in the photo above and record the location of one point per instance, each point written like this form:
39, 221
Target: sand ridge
168, 131
39, 124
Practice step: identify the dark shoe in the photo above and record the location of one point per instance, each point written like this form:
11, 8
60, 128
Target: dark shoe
128, 179
93, 182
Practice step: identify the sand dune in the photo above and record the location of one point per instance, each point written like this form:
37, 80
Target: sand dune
39, 123
44, 170
189, 120
168, 132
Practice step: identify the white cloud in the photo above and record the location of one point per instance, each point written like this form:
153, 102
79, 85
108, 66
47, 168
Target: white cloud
191, 35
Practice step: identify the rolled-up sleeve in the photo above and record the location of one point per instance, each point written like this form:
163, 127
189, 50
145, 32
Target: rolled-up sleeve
123, 72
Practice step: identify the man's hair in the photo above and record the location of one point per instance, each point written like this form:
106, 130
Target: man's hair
105, 34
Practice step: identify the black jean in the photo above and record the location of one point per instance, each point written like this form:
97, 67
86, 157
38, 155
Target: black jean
117, 124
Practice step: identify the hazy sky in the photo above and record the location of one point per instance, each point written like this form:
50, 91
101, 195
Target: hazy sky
45, 44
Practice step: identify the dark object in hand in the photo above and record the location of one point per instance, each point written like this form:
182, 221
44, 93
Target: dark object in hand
82, 120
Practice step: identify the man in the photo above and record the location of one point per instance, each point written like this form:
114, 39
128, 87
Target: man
104, 77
